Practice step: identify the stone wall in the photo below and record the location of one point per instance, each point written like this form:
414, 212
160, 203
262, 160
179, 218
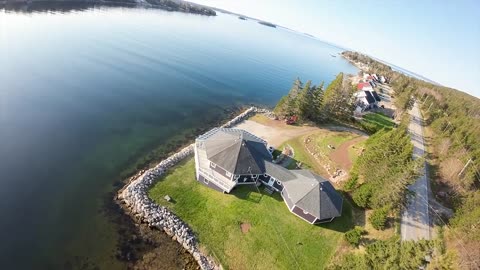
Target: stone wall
136, 200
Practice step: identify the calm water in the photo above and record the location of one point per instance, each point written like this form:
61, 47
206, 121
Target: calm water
86, 94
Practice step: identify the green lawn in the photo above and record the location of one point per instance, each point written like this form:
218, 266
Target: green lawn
373, 122
321, 140
301, 154
277, 239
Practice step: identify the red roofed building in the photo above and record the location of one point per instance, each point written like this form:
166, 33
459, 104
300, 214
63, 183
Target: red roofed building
364, 86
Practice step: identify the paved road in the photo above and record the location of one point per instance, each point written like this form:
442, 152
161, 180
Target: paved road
415, 222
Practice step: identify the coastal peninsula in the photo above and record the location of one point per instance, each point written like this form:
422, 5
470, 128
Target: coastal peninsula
168, 5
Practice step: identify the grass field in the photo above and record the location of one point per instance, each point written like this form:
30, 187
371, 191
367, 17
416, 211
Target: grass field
376, 121
276, 238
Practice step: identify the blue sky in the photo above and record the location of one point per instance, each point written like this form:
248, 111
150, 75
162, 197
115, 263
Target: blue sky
437, 39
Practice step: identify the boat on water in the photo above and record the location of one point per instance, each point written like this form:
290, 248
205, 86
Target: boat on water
333, 55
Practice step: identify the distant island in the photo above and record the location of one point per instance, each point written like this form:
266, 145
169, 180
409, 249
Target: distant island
268, 24
169, 5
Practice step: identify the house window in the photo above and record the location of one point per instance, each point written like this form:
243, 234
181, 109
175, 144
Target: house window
228, 174
205, 180
278, 182
213, 165
305, 212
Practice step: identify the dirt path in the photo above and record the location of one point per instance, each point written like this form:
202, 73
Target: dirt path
341, 157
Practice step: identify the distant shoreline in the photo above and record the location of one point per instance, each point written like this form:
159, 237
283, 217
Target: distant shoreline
44, 5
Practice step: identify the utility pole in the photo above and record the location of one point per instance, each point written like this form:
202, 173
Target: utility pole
464, 167
425, 100
446, 128
430, 107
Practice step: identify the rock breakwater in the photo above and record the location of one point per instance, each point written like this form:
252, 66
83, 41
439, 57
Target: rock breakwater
135, 198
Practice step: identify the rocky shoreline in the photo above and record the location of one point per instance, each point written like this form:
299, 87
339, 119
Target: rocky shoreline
134, 200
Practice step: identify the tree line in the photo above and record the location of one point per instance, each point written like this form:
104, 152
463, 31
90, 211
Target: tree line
314, 103
453, 117
380, 176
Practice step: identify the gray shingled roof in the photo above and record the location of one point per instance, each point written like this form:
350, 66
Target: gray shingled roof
236, 151
313, 194
278, 172
369, 97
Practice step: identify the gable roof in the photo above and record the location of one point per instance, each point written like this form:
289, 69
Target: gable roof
360, 86
236, 150
376, 96
313, 194
369, 97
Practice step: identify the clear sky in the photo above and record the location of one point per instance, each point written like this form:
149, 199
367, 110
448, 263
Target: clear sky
439, 40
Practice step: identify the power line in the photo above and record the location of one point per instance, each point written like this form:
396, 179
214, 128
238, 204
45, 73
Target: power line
430, 207
444, 223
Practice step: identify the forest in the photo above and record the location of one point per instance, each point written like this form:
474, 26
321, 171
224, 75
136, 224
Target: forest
452, 126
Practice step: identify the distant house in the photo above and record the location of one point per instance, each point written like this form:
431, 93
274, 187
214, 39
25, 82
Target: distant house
365, 86
376, 96
365, 100
225, 158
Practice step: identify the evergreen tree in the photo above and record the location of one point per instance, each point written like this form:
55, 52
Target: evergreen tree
317, 106
291, 103
337, 101
305, 102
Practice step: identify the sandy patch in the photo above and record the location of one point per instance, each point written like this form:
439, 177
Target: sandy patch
275, 132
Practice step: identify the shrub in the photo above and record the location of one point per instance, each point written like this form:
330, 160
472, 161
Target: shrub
389, 254
351, 182
370, 128
350, 261
379, 218
354, 235
362, 195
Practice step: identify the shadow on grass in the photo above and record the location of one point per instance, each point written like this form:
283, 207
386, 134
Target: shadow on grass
346, 221
359, 216
253, 194
248, 193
